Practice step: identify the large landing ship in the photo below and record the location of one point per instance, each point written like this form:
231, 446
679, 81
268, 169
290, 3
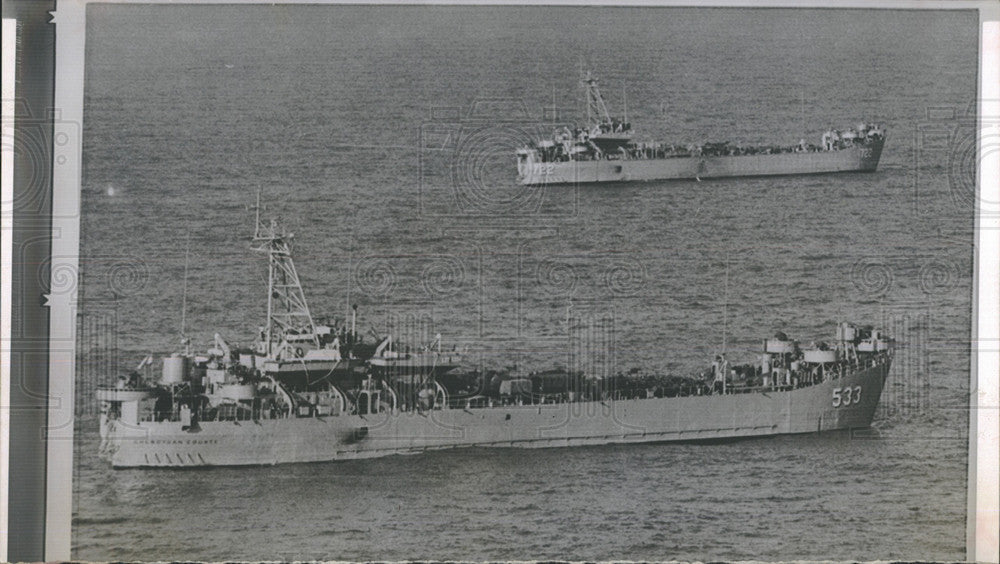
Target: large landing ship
304, 393
604, 150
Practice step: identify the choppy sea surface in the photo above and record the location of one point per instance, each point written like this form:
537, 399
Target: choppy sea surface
384, 138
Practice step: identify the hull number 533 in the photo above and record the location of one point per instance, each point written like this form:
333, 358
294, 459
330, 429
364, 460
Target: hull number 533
846, 396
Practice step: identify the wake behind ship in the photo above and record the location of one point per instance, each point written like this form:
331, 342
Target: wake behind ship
604, 150
307, 392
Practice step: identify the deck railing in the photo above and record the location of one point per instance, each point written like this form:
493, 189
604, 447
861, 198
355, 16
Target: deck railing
800, 379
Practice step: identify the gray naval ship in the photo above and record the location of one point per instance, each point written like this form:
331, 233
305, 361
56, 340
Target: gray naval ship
604, 150
302, 393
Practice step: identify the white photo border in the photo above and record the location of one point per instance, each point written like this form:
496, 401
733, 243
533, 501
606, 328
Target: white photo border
69, 19
6, 274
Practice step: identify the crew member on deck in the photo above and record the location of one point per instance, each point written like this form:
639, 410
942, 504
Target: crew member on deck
719, 368
765, 369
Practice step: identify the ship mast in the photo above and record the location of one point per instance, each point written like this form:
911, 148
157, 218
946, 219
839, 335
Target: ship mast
184, 339
597, 111
287, 310
625, 105
725, 308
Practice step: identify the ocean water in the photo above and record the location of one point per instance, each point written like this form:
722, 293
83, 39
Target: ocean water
384, 138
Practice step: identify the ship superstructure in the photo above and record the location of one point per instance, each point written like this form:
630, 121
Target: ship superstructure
290, 345
604, 134
604, 150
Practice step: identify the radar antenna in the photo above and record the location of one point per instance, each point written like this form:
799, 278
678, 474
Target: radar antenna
287, 310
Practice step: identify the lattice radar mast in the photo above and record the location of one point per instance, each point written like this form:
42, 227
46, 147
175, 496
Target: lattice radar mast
287, 310
597, 111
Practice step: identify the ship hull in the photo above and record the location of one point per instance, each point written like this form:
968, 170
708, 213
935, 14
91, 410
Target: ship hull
816, 408
863, 158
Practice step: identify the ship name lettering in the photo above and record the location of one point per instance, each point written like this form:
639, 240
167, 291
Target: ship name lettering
179, 442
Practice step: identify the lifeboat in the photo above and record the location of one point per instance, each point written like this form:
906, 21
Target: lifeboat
779, 346
816, 356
